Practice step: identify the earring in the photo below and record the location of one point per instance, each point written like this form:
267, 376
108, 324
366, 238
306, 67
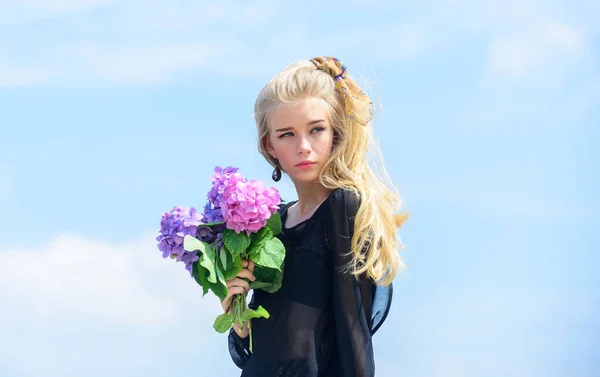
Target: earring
276, 173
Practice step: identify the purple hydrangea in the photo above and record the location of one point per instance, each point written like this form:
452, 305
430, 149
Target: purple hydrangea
189, 258
174, 226
211, 234
221, 179
212, 214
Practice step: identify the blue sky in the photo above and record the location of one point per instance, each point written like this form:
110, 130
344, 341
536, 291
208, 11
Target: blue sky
113, 112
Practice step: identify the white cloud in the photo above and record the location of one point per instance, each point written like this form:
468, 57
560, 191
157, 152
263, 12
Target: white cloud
539, 62
132, 42
138, 42
530, 39
533, 48
79, 306
72, 275
141, 65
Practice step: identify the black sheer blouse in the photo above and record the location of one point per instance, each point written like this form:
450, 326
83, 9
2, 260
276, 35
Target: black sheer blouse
322, 320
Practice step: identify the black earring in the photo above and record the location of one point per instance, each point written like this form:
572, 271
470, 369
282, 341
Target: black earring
276, 173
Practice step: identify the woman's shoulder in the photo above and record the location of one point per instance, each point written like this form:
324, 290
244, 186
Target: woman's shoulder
341, 203
284, 206
344, 199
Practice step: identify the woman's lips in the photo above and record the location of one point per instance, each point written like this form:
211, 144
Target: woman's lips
305, 165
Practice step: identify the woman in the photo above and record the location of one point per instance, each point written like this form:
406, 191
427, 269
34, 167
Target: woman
340, 235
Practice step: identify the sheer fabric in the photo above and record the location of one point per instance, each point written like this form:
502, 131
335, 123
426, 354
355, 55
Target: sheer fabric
322, 320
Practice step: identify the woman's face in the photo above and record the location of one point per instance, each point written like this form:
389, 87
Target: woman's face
301, 137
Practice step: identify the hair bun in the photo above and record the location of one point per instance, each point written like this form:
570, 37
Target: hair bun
358, 105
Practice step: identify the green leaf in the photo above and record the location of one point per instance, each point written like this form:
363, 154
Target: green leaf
262, 236
207, 260
223, 255
204, 270
219, 289
236, 243
260, 312
220, 275
267, 287
274, 223
267, 279
223, 322
271, 255
193, 244
219, 286
259, 239
199, 274
234, 266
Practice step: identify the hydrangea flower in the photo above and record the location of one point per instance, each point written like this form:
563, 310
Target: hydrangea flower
243, 205
189, 258
221, 179
174, 226
212, 214
246, 206
239, 204
211, 234
236, 204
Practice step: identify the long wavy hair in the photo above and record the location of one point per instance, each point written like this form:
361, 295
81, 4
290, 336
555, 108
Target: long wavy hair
353, 163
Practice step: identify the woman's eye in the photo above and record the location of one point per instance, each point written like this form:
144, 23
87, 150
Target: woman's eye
288, 134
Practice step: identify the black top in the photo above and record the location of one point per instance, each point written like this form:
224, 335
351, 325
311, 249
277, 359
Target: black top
321, 320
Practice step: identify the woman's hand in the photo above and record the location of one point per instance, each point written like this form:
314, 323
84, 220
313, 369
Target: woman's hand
238, 285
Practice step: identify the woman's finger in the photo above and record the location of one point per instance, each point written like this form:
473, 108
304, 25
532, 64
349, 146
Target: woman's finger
236, 282
235, 290
245, 273
225, 304
230, 293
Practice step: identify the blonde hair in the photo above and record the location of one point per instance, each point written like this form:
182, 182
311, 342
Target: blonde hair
375, 224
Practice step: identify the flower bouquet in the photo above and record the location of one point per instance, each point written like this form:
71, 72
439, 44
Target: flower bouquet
239, 222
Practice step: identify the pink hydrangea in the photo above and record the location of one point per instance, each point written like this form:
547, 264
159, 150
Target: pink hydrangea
247, 205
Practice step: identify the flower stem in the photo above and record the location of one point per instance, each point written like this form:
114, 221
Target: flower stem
244, 307
250, 332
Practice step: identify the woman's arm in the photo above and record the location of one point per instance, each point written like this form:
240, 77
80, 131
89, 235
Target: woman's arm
351, 295
239, 349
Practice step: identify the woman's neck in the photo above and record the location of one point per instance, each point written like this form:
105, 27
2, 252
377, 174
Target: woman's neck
310, 196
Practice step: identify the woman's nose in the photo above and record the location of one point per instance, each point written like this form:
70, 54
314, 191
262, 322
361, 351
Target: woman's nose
304, 146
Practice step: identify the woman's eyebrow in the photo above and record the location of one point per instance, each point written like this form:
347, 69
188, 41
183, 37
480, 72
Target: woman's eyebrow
312, 122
